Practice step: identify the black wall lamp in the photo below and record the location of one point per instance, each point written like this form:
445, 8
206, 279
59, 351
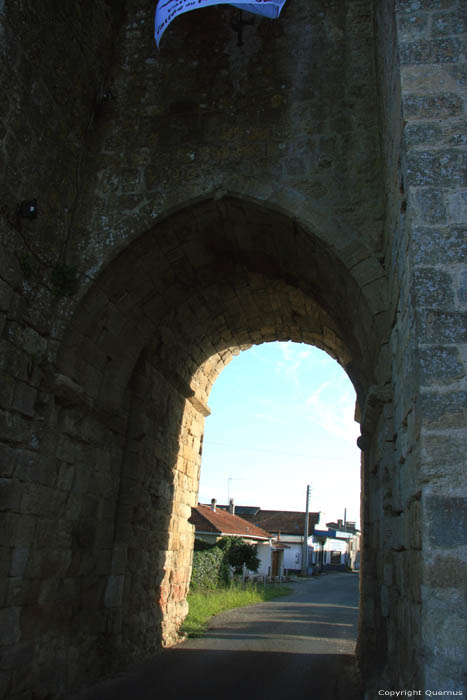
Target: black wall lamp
238, 23
27, 209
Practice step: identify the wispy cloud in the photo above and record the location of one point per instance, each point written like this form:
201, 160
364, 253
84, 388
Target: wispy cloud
293, 357
314, 399
336, 417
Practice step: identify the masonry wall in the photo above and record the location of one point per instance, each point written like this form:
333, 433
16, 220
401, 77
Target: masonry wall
433, 84
54, 59
192, 202
420, 462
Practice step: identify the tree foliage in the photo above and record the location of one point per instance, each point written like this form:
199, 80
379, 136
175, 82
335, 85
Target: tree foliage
212, 563
238, 553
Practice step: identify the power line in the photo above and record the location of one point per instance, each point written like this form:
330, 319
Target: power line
276, 452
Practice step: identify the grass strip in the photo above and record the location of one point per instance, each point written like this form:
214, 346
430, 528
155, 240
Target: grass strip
206, 604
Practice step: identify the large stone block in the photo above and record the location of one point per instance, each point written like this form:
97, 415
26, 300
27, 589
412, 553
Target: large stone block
446, 244
434, 288
432, 107
10, 494
19, 560
444, 410
456, 206
114, 591
426, 132
16, 529
10, 632
22, 591
24, 399
5, 678
441, 365
7, 390
446, 520
449, 23
7, 460
446, 168
35, 468
41, 500
444, 635
446, 572
438, 326
439, 50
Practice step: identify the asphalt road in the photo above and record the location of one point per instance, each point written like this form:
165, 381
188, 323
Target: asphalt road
299, 646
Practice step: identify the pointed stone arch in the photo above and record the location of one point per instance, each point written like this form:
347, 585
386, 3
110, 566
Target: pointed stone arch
134, 373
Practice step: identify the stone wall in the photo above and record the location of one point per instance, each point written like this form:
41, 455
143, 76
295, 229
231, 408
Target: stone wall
193, 202
422, 477
433, 84
294, 127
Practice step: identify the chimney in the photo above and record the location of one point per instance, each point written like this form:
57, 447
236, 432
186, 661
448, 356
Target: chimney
339, 525
231, 506
213, 504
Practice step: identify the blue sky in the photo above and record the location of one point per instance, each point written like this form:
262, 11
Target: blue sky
283, 417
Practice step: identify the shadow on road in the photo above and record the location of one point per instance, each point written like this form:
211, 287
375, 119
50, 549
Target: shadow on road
183, 674
298, 647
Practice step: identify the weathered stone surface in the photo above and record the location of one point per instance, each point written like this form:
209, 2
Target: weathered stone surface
9, 626
446, 572
449, 23
10, 494
463, 288
444, 410
441, 365
439, 50
193, 202
451, 247
434, 288
456, 203
450, 327
432, 107
423, 133
448, 520
447, 169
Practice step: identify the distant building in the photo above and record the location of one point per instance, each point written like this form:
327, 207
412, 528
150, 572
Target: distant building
288, 527
212, 522
348, 532
328, 545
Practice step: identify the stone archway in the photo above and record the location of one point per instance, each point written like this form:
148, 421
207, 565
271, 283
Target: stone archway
350, 119
135, 370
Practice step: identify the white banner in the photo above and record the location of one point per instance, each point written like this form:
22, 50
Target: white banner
167, 10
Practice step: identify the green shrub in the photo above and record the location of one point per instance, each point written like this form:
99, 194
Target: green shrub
210, 569
211, 563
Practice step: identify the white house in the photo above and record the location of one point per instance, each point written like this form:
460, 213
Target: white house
327, 547
288, 528
214, 522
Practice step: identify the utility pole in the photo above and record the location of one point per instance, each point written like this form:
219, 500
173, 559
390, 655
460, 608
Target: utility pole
305, 534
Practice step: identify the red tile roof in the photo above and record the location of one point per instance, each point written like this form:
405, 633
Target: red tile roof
223, 523
287, 522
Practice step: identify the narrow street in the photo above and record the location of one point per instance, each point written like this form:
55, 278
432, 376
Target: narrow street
299, 646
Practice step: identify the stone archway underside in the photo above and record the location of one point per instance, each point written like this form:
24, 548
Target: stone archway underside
135, 372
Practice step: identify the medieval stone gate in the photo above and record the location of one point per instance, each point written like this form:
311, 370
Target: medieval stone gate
303, 181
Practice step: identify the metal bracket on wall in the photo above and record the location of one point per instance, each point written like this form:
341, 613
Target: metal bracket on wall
238, 23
